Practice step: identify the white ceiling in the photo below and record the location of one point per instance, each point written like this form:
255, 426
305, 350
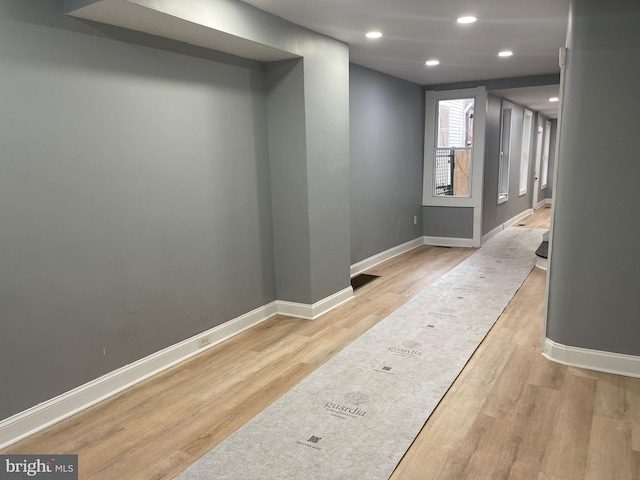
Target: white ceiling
536, 98
415, 30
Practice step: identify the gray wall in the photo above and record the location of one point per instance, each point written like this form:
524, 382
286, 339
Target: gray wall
324, 105
386, 143
134, 197
448, 222
326, 69
287, 144
595, 265
490, 217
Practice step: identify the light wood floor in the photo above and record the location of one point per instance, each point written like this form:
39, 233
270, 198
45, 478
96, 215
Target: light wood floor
511, 414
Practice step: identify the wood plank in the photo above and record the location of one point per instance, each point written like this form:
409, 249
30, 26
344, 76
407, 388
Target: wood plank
632, 392
545, 476
509, 390
548, 374
610, 454
567, 457
611, 400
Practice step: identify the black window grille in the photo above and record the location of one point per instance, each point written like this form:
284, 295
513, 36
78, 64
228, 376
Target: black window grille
445, 165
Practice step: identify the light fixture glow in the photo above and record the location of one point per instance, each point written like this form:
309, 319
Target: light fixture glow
554, 99
505, 53
432, 63
467, 19
373, 34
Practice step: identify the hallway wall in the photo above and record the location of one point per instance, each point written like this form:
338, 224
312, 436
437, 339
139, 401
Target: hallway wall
595, 266
135, 197
386, 144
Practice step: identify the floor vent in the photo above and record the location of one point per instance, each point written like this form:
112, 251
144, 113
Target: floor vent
362, 279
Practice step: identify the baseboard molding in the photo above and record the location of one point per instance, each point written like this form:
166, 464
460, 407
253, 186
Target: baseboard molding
366, 264
39, 417
311, 312
542, 263
543, 202
502, 226
608, 362
449, 242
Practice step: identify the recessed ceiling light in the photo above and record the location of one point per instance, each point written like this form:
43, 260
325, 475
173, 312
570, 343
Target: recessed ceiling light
373, 34
505, 53
554, 99
432, 63
467, 19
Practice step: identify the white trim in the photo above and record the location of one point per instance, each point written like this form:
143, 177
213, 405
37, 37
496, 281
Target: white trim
311, 312
508, 223
381, 257
608, 362
56, 409
538, 159
477, 163
449, 242
52, 411
542, 263
543, 202
429, 199
544, 167
504, 196
525, 153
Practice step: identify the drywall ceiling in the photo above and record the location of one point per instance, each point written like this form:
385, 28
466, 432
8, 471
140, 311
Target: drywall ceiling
536, 98
417, 30
413, 31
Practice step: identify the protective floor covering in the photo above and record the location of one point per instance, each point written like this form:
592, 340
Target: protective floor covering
355, 416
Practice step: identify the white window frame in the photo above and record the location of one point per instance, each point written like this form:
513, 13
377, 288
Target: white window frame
544, 168
527, 134
504, 161
477, 168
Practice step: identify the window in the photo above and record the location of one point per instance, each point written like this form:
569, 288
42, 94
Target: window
544, 174
526, 150
452, 166
454, 163
505, 153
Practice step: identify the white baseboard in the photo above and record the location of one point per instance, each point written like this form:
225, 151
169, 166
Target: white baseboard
502, 226
52, 411
542, 263
543, 202
366, 264
608, 362
449, 242
311, 312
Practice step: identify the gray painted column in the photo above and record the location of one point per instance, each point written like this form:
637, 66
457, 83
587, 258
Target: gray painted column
595, 266
308, 105
289, 188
